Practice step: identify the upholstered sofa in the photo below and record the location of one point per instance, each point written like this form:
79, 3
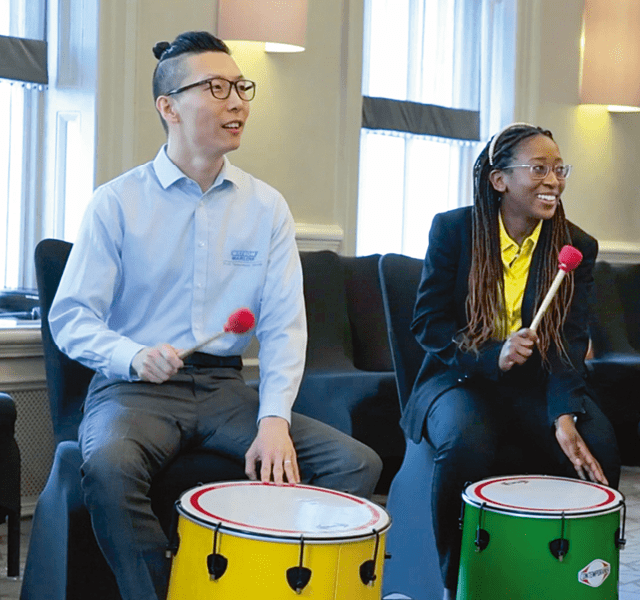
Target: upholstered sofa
614, 368
349, 380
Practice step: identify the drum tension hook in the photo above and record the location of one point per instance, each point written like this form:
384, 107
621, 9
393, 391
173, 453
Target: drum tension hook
620, 539
216, 563
368, 567
174, 538
560, 547
482, 535
298, 577
462, 505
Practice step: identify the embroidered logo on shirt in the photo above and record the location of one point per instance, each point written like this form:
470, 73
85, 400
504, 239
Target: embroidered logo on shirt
243, 258
244, 255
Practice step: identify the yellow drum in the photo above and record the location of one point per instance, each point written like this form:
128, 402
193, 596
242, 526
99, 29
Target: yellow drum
258, 541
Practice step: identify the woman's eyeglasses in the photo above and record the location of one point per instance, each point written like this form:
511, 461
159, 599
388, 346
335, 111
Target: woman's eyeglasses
541, 171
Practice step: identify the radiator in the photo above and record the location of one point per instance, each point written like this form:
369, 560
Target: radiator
34, 435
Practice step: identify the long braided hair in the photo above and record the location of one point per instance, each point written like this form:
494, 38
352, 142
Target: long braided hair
486, 300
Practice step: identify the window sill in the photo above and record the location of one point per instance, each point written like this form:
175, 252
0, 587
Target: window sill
20, 339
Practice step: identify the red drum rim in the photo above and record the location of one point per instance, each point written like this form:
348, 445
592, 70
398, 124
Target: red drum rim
196, 505
499, 494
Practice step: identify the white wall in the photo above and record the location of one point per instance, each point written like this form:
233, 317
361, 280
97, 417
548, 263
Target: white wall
603, 192
302, 136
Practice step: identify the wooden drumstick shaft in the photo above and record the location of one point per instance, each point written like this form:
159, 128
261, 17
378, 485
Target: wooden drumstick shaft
184, 353
547, 300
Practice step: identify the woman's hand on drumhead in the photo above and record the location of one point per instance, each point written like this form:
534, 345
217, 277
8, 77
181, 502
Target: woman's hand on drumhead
273, 449
517, 348
577, 451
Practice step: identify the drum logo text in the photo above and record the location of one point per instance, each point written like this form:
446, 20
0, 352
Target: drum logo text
594, 573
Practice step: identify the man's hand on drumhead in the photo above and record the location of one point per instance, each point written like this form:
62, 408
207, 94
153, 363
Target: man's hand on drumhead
576, 449
157, 364
274, 450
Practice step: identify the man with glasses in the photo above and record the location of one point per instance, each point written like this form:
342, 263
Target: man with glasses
166, 253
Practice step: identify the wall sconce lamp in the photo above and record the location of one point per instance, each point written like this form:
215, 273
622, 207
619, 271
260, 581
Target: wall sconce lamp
281, 24
610, 69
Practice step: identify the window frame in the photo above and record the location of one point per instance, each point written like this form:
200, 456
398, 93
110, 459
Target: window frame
470, 119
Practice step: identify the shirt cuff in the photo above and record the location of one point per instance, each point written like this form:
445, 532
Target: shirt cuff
273, 407
122, 358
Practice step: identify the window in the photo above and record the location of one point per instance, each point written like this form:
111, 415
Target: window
23, 75
437, 82
48, 118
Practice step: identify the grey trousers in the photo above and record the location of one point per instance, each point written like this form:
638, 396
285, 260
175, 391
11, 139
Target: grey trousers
131, 430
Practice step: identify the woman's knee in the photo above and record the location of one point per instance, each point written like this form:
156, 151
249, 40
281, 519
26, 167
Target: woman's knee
460, 426
599, 436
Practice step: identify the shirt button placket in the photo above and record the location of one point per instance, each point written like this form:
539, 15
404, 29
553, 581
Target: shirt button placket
200, 270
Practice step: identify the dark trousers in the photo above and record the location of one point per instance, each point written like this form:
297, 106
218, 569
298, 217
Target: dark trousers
484, 430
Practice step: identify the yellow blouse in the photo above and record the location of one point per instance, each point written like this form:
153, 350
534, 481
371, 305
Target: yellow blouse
516, 261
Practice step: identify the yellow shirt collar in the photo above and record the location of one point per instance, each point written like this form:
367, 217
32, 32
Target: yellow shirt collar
509, 248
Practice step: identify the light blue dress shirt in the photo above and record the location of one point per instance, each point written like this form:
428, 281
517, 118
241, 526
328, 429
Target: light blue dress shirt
156, 260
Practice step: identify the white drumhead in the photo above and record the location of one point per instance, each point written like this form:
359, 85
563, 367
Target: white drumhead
543, 496
255, 509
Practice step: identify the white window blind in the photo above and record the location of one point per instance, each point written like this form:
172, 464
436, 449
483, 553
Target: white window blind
447, 66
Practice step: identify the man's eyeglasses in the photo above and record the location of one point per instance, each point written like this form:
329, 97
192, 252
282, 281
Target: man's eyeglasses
221, 88
541, 171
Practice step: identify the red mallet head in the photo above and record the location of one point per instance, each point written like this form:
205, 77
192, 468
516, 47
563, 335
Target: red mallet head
240, 321
569, 258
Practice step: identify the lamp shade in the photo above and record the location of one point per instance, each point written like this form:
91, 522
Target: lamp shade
611, 53
281, 22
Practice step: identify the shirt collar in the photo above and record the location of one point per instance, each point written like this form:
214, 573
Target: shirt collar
509, 248
169, 173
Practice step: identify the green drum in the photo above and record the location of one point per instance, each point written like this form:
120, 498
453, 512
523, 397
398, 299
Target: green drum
533, 537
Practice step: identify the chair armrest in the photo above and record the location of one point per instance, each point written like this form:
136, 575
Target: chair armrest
626, 361
8, 415
333, 396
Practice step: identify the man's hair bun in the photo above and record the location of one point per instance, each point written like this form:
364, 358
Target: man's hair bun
160, 48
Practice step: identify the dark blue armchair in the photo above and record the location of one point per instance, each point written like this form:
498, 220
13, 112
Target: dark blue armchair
10, 483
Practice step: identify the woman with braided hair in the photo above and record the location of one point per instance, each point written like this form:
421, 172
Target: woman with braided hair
487, 377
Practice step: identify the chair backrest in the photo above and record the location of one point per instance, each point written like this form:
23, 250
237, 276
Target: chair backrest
366, 313
345, 317
399, 278
67, 380
330, 345
615, 324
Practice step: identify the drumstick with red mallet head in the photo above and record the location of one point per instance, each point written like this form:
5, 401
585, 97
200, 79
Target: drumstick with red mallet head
239, 321
568, 259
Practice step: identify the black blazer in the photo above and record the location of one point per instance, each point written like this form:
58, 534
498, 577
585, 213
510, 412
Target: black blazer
440, 314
